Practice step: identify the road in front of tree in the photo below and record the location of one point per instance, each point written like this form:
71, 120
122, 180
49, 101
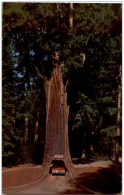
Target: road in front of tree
49, 185
103, 177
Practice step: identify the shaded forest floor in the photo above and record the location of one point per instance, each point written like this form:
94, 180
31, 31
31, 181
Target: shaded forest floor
102, 177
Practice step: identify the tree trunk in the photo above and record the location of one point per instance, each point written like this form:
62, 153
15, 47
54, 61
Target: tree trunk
36, 127
117, 146
57, 145
26, 129
71, 15
13, 114
119, 105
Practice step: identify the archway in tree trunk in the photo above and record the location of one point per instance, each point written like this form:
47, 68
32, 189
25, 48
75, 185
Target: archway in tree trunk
57, 144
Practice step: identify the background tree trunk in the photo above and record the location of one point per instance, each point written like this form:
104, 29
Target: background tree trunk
36, 127
71, 15
26, 129
117, 146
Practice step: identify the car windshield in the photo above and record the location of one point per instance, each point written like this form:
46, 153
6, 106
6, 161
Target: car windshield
58, 163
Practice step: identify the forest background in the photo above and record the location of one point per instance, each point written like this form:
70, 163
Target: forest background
31, 33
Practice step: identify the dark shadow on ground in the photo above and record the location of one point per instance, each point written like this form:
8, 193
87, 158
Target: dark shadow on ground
75, 189
77, 161
105, 181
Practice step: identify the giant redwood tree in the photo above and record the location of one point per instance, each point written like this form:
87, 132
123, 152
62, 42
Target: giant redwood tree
57, 112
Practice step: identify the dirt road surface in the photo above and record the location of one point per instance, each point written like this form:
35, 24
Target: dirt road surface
103, 177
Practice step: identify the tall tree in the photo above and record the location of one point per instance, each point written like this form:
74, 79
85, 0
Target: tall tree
8, 100
57, 142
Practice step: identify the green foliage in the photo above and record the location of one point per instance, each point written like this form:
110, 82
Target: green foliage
113, 111
87, 111
110, 131
107, 99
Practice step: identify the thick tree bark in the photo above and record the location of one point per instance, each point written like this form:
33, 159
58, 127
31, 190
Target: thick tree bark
57, 146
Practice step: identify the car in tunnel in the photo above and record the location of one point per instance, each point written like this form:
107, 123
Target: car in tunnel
57, 167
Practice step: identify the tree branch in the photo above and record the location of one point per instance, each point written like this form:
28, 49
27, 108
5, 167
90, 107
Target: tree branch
83, 57
39, 73
66, 85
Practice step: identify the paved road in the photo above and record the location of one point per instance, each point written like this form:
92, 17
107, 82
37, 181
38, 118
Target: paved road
50, 185
102, 176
